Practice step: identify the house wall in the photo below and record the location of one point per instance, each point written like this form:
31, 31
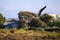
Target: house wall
57, 17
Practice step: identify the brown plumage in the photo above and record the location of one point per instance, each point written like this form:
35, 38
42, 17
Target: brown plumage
40, 11
27, 17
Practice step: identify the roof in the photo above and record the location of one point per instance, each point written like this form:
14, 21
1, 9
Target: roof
10, 21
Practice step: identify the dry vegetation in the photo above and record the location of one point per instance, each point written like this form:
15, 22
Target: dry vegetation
22, 34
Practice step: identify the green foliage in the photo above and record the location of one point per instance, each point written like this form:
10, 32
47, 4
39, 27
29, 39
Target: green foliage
57, 23
2, 20
48, 19
50, 34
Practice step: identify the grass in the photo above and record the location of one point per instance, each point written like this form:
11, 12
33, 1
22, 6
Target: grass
22, 30
6, 31
51, 34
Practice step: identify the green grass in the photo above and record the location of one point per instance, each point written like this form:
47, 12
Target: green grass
5, 31
22, 30
51, 34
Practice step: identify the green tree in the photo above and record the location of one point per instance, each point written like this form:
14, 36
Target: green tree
57, 23
2, 20
48, 19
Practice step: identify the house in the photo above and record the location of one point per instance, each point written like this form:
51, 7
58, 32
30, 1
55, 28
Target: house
11, 23
56, 16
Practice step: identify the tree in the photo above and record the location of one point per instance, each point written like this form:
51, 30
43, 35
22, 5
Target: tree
57, 23
2, 20
48, 19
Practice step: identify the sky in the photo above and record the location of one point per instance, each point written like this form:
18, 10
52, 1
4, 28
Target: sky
11, 8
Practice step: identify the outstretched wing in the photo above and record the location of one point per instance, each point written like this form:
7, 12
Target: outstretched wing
40, 11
